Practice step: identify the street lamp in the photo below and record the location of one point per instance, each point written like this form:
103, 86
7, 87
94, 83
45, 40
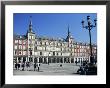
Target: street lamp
89, 26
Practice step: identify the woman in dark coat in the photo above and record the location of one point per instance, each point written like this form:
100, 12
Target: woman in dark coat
16, 65
34, 66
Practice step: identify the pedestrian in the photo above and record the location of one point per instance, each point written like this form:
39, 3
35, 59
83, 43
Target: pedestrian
76, 62
34, 66
27, 65
38, 65
16, 65
23, 65
84, 63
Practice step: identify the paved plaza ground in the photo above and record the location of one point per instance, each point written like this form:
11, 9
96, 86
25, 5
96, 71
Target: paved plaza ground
51, 69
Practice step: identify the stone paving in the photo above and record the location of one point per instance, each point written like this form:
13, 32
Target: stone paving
51, 69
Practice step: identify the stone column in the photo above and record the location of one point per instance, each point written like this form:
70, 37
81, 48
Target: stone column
89, 59
33, 59
63, 59
47, 59
17, 59
37, 59
42, 59
26, 59
21, 59
70, 59
74, 60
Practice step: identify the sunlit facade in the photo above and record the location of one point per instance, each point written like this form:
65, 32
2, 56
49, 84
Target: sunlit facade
32, 48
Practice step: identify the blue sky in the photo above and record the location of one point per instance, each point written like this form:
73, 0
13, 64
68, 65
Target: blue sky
55, 25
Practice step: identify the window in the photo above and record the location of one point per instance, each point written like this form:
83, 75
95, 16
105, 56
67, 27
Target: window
15, 47
35, 48
16, 41
58, 44
32, 37
75, 50
24, 52
20, 46
20, 41
35, 42
53, 53
61, 49
40, 43
24, 42
57, 54
20, 53
45, 43
30, 52
29, 37
40, 53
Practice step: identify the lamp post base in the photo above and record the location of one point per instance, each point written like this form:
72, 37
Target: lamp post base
88, 68
91, 59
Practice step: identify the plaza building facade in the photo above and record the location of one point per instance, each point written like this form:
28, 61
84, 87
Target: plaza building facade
32, 48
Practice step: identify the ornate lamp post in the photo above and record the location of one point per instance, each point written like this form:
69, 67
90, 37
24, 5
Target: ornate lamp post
89, 26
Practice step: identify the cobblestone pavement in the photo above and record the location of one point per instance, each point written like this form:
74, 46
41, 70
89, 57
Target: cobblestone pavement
51, 69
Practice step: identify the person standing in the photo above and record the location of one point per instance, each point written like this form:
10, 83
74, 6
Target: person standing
34, 66
38, 65
76, 62
27, 65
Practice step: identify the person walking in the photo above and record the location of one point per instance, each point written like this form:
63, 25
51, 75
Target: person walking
38, 66
34, 66
16, 65
23, 65
76, 62
27, 65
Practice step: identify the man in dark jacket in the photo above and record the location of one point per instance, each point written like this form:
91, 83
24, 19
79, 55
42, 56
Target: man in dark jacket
34, 66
